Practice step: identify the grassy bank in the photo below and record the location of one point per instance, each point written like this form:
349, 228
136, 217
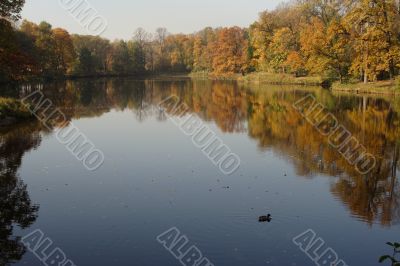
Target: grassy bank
262, 78
379, 87
212, 76
281, 79
12, 111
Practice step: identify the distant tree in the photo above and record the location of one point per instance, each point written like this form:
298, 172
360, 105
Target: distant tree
230, 54
29, 28
374, 27
64, 50
339, 39
161, 35
180, 51
262, 34
325, 11
121, 60
85, 65
161, 61
282, 43
141, 37
327, 48
137, 56
99, 48
202, 50
47, 53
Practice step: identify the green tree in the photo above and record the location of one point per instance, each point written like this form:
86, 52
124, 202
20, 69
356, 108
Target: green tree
137, 56
99, 48
121, 59
85, 65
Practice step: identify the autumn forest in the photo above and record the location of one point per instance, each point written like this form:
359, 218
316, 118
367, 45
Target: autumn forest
339, 40
242, 140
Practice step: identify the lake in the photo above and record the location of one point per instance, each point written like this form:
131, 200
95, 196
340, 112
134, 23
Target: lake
154, 177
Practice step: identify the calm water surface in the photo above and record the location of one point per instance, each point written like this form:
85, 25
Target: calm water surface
154, 178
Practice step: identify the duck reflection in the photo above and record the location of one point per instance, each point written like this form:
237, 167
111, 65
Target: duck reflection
16, 208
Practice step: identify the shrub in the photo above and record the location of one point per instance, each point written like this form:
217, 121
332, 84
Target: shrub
13, 108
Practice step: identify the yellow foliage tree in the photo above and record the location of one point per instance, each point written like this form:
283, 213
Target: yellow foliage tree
326, 47
375, 27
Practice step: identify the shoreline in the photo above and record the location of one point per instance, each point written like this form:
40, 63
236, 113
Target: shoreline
94, 76
374, 88
263, 78
12, 112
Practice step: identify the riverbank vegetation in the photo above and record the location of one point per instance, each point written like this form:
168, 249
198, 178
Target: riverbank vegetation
281, 78
335, 40
12, 111
377, 87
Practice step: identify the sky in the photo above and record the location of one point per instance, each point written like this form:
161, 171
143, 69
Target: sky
124, 16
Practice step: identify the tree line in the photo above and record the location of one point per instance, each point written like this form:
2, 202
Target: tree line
336, 39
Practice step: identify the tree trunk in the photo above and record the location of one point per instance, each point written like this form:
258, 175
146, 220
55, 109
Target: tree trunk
366, 65
365, 77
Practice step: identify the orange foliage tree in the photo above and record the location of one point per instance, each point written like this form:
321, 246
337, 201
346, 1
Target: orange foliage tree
231, 51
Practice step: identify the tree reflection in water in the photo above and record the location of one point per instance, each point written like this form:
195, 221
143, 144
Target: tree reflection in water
16, 207
266, 114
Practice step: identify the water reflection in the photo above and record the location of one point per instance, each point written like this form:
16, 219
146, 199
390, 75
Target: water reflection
265, 113
16, 207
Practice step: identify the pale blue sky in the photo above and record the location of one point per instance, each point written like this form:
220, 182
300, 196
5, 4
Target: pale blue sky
178, 16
